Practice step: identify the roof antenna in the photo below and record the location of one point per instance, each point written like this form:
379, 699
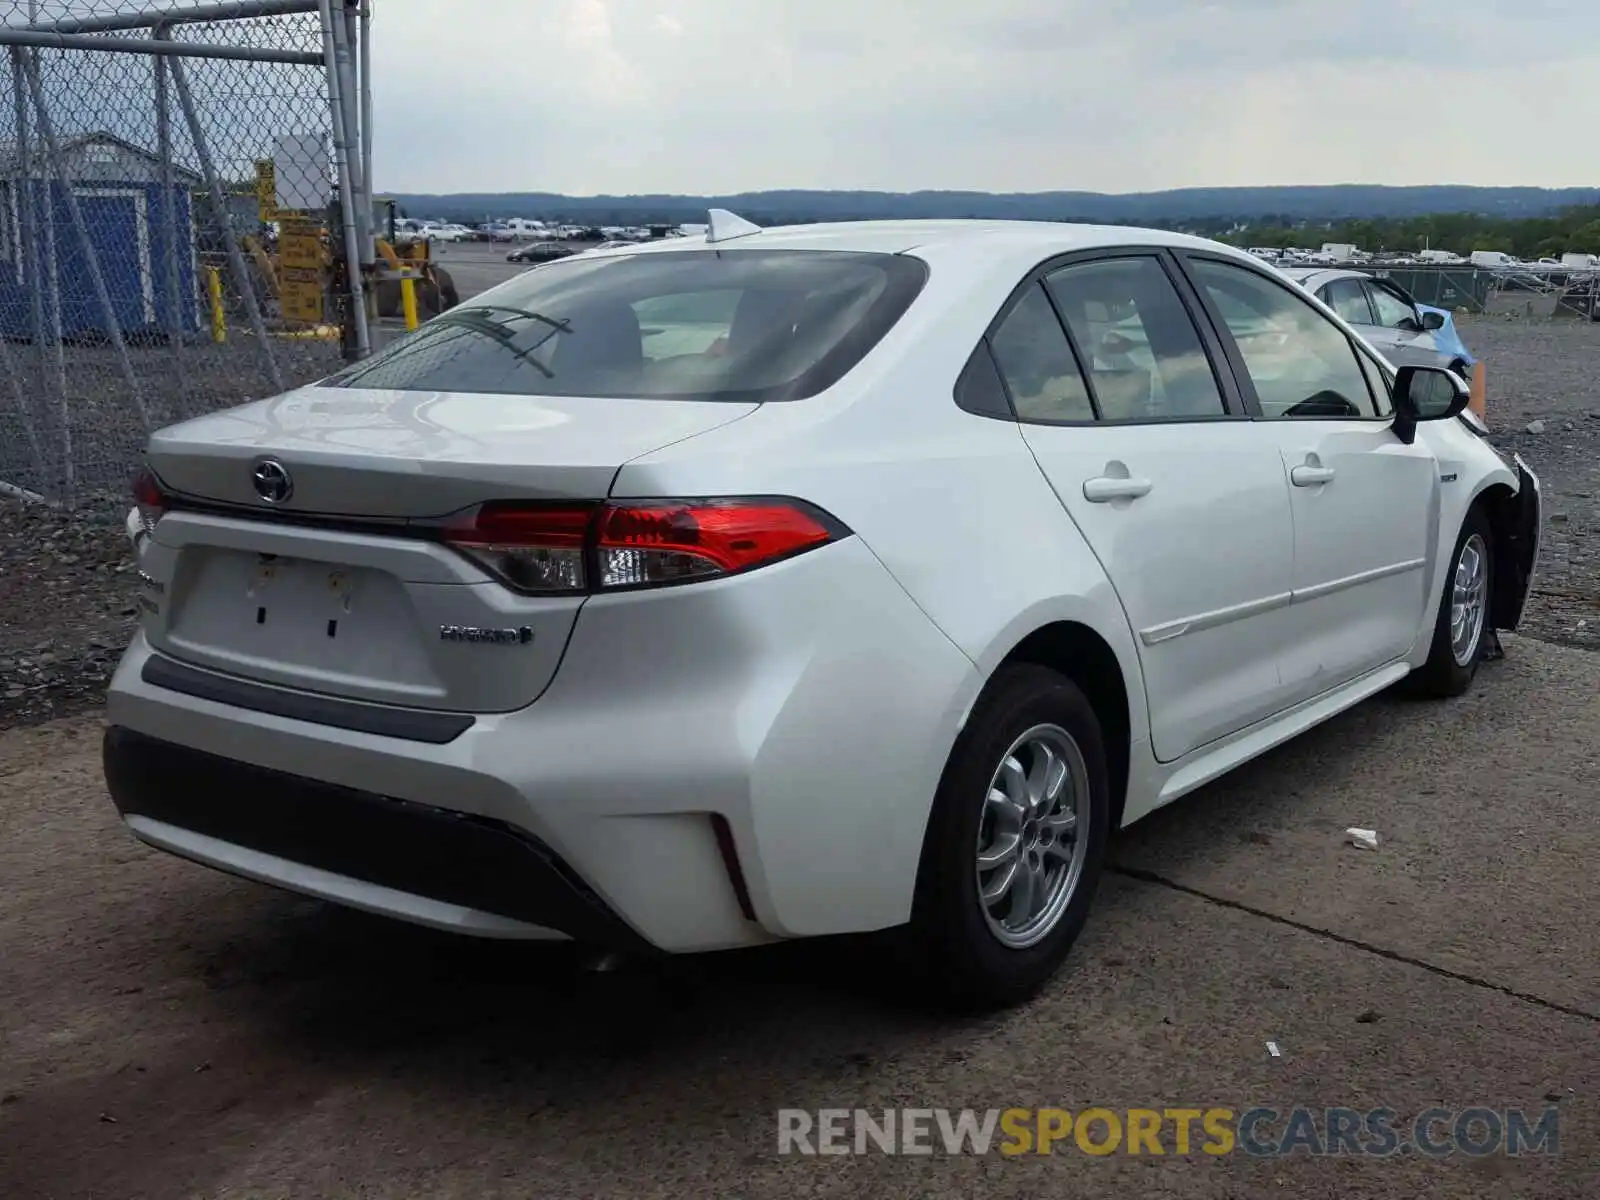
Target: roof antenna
724, 226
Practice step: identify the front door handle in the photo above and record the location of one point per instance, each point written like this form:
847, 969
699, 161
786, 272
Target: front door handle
1105, 488
1309, 476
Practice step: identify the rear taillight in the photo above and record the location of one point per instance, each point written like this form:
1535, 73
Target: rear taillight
147, 491
531, 549
602, 547
150, 502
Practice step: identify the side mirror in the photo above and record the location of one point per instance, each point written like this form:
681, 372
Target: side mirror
1425, 394
1432, 321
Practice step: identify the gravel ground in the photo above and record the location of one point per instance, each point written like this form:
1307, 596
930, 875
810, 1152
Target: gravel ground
1544, 403
105, 429
66, 584
166, 1030
66, 611
169, 1031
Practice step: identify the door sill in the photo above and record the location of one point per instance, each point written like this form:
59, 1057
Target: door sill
1256, 740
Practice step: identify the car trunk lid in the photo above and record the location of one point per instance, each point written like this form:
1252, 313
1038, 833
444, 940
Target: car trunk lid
401, 454
341, 586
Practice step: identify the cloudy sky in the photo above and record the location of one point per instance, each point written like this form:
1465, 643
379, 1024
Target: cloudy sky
709, 96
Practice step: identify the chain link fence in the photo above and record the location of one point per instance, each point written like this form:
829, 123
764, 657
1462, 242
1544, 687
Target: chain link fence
1565, 291
181, 220
1445, 287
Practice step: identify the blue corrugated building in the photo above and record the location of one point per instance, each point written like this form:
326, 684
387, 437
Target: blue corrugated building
119, 190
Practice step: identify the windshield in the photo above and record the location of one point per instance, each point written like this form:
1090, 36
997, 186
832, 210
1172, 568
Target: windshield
737, 325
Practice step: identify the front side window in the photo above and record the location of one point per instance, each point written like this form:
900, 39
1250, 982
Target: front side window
1393, 312
737, 325
1378, 381
1301, 363
1144, 356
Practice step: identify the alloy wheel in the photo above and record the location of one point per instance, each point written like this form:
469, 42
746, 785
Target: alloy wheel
1033, 836
1469, 598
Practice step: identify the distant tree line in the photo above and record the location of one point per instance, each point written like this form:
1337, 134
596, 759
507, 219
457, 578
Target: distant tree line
1216, 207
1526, 222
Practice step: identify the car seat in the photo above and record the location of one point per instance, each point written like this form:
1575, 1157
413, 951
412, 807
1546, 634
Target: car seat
602, 338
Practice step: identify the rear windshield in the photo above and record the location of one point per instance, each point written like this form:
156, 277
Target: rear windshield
735, 325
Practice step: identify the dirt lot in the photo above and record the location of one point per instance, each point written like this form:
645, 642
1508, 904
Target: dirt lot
105, 429
172, 1032
169, 1032
1544, 402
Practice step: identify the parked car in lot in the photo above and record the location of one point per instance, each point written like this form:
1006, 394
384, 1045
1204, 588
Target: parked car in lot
790, 582
1447, 338
542, 252
1386, 315
446, 233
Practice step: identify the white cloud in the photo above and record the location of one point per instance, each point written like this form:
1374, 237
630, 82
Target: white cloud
611, 79
729, 95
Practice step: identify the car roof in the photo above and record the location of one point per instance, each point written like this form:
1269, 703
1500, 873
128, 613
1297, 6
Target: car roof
1321, 275
899, 237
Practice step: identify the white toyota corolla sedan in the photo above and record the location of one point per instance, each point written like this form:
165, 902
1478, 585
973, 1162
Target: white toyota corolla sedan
790, 582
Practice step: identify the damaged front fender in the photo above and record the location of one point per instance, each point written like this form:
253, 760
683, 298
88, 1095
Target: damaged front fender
1516, 520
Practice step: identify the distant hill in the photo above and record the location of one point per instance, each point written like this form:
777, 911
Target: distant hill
1288, 204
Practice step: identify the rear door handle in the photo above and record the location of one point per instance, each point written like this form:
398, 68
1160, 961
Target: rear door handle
1105, 488
1309, 476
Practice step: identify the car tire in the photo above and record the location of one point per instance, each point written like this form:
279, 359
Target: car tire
1458, 648
972, 956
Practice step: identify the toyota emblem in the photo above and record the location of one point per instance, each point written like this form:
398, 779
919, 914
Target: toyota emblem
273, 482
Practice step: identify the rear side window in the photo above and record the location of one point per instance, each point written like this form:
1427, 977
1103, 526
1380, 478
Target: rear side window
1349, 299
1145, 358
1036, 361
747, 326
980, 390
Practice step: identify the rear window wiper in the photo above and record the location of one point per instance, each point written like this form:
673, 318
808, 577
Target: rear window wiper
474, 320
560, 324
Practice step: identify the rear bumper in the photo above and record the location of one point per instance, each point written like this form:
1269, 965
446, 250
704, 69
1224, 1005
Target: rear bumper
800, 715
461, 872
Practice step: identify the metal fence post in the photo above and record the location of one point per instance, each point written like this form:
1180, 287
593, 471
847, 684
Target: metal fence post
91, 256
169, 221
35, 203
50, 282
221, 10
365, 43
97, 135
347, 46
28, 268
230, 239
347, 202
